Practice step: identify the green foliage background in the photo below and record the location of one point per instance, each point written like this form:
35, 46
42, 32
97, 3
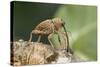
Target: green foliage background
81, 21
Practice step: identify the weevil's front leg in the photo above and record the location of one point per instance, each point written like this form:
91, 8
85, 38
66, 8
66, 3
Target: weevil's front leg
65, 41
49, 37
66, 37
62, 40
59, 38
69, 49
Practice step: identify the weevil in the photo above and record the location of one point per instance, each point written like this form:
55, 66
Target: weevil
49, 27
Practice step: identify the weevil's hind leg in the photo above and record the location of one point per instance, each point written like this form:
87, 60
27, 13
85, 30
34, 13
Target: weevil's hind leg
30, 37
49, 37
39, 38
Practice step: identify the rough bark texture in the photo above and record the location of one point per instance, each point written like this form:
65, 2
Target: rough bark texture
24, 53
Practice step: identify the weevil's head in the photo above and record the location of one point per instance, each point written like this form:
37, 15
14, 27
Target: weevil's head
58, 23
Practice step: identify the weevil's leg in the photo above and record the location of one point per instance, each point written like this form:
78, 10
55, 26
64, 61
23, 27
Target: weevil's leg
69, 49
59, 38
30, 37
62, 39
39, 38
67, 38
67, 42
49, 37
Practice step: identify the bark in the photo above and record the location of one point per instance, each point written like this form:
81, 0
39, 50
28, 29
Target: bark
24, 53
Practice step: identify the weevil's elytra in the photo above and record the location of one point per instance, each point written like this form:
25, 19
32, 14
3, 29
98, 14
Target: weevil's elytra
44, 28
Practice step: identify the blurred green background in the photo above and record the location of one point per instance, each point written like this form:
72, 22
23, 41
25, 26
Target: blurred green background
81, 21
